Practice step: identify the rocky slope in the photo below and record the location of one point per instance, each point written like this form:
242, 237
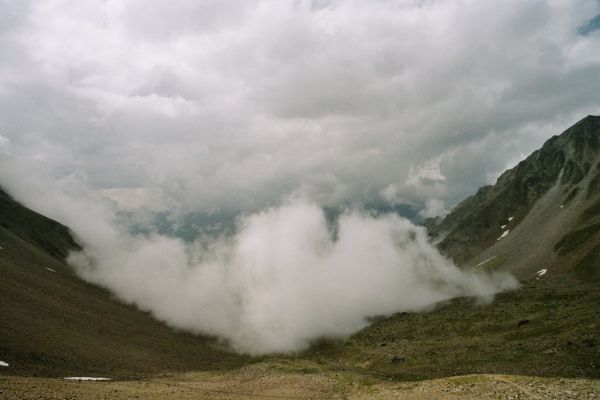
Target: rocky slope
54, 324
541, 212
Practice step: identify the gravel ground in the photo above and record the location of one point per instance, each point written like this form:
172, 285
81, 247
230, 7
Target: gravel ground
267, 382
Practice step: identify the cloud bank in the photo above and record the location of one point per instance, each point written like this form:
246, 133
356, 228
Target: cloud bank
286, 276
285, 279
229, 105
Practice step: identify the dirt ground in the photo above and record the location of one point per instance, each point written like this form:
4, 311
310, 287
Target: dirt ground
266, 381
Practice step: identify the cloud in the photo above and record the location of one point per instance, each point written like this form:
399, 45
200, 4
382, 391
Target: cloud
4, 144
283, 280
285, 277
229, 105
433, 208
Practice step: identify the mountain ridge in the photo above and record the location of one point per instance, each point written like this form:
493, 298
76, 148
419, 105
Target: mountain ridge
566, 168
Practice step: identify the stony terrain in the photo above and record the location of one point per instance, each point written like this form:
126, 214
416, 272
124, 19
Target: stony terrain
270, 382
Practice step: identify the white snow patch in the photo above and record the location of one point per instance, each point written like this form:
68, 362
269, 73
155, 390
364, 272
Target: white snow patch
486, 261
50, 269
86, 378
542, 272
502, 227
504, 234
3, 364
562, 206
510, 218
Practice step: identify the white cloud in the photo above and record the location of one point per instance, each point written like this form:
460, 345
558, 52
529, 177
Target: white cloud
428, 173
282, 281
4, 144
433, 208
223, 104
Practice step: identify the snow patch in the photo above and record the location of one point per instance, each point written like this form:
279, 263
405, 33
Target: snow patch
504, 234
1, 248
486, 261
562, 206
541, 272
3, 364
502, 227
510, 218
86, 378
50, 269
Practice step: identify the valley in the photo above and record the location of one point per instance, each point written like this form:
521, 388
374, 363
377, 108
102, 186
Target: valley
541, 340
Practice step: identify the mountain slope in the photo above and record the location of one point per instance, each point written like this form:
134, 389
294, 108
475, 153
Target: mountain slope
52, 323
519, 223
34, 228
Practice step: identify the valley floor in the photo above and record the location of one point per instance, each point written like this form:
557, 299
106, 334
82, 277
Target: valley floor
273, 381
539, 342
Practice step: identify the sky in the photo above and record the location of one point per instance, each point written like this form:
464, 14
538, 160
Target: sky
233, 105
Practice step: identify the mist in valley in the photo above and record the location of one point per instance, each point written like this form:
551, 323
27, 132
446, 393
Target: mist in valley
286, 277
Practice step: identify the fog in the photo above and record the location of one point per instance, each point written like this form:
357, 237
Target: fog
286, 275
286, 278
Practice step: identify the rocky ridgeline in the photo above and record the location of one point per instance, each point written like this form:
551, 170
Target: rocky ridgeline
565, 160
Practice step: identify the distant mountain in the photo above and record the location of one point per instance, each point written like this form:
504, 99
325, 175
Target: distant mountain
542, 214
53, 323
192, 226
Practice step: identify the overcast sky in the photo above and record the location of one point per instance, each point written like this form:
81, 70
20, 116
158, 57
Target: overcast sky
210, 105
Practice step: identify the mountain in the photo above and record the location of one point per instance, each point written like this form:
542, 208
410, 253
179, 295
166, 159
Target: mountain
31, 227
53, 323
542, 214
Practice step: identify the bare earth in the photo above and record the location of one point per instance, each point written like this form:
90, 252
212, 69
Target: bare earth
274, 381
